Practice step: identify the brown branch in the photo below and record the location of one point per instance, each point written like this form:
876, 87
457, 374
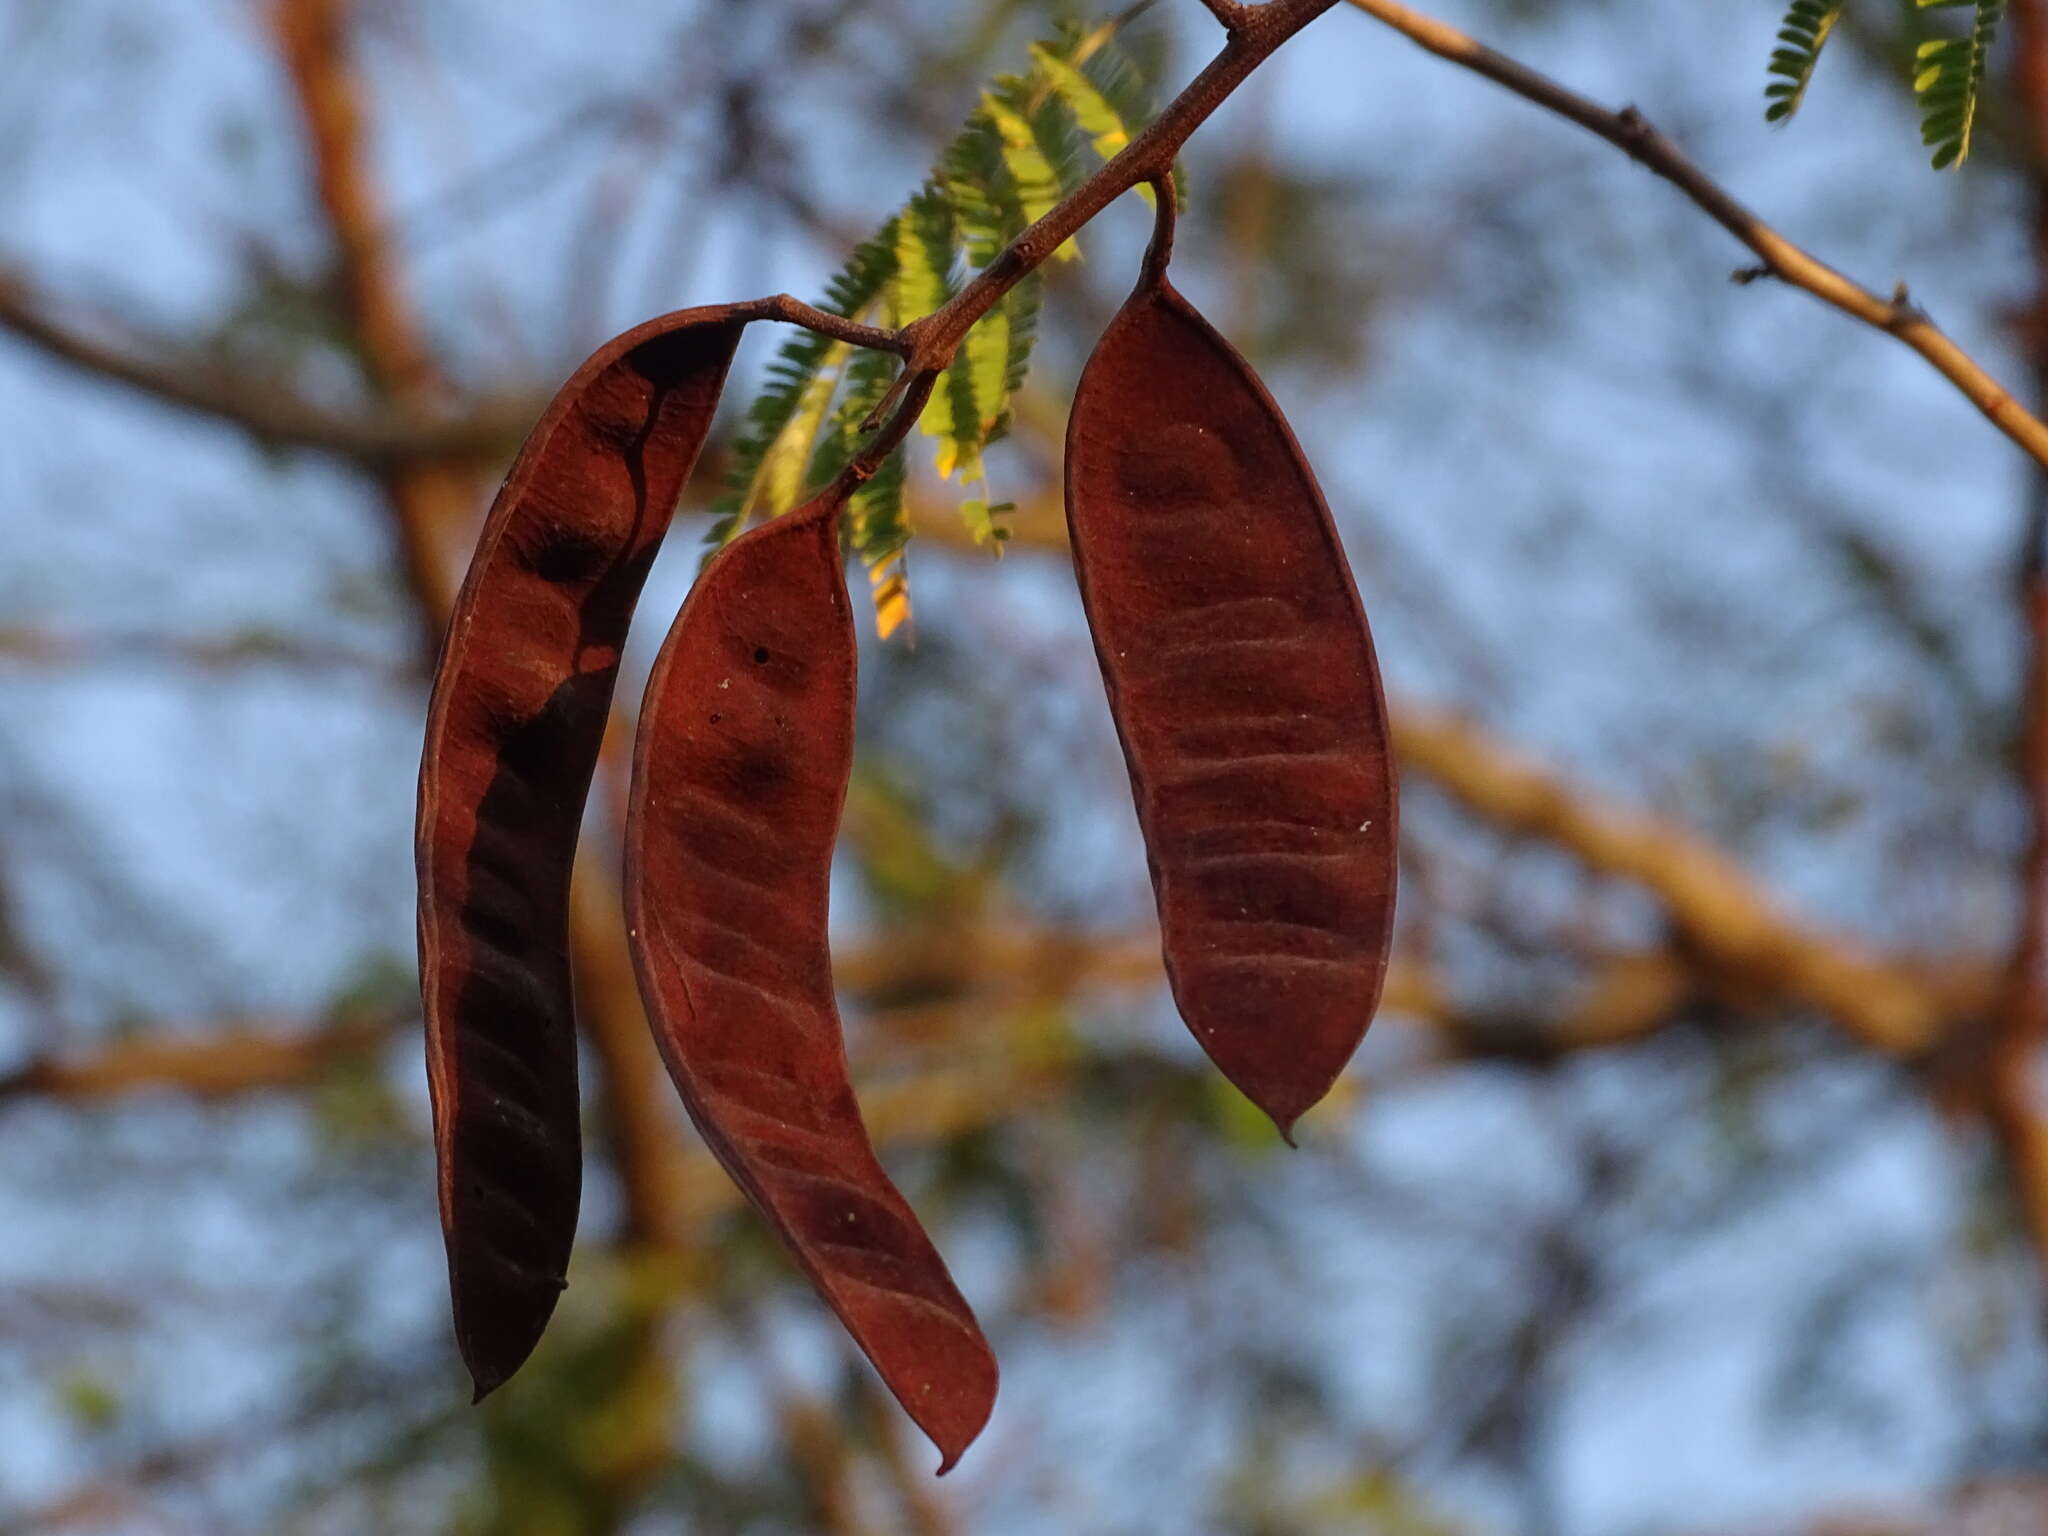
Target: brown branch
312, 41
924, 1512
1147, 158
1718, 913
822, 1459
29, 645
312, 38
1631, 133
376, 438
2017, 1063
267, 411
219, 1062
432, 506
936, 991
2016, 1089
432, 503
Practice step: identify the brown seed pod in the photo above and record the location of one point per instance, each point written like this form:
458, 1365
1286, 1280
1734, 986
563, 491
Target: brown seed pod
519, 705
739, 778
1241, 676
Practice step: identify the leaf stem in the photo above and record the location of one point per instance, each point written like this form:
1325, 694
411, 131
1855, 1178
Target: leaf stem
782, 306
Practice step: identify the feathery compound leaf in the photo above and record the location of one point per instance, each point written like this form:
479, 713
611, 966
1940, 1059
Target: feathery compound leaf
1103, 124
925, 239
1801, 37
785, 417
875, 525
1021, 149
1101, 116
778, 482
1038, 155
1948, 75
880, 533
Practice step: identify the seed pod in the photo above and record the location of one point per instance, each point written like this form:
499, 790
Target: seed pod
1243, 684
739, 777
519, 706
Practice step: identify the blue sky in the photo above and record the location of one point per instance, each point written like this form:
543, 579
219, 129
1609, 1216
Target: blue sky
1581, 483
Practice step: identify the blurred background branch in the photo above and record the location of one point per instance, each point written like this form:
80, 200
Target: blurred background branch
1706, 1091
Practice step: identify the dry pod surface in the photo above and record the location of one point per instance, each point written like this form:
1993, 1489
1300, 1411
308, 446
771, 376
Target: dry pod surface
518, 713
739, 778
1242, 680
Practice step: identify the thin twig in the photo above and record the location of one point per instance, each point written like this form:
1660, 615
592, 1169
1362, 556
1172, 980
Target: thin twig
376, 437
1629, 131
795, 311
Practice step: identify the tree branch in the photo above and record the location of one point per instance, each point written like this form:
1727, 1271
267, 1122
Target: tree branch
2015, 1083
935, 989
432, 506
1717, 912
1730, 925
223, 1062
1149, 157
379, 439
1630, 132
266, 411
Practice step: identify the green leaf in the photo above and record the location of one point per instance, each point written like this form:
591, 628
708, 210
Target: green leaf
1949, 77
924, 238
881, 532
791, 392
983, 520
1802, 35
779, 481
1020, 150
876, 527
1033, 172
1099, 119
985, 364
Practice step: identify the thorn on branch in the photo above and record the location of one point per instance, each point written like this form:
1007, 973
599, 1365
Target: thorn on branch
1744, 276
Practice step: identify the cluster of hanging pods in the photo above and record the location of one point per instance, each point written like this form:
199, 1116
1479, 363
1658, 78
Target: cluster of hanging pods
1240, 676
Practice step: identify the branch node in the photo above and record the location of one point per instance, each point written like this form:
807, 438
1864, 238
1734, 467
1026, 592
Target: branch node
1635, 132
1904, 310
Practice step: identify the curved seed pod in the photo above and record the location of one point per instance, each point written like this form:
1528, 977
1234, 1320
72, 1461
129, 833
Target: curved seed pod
739, 777
518, 713
1243, 684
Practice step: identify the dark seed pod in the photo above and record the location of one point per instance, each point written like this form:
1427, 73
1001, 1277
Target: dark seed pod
1243, 684
520, 700
739, 778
